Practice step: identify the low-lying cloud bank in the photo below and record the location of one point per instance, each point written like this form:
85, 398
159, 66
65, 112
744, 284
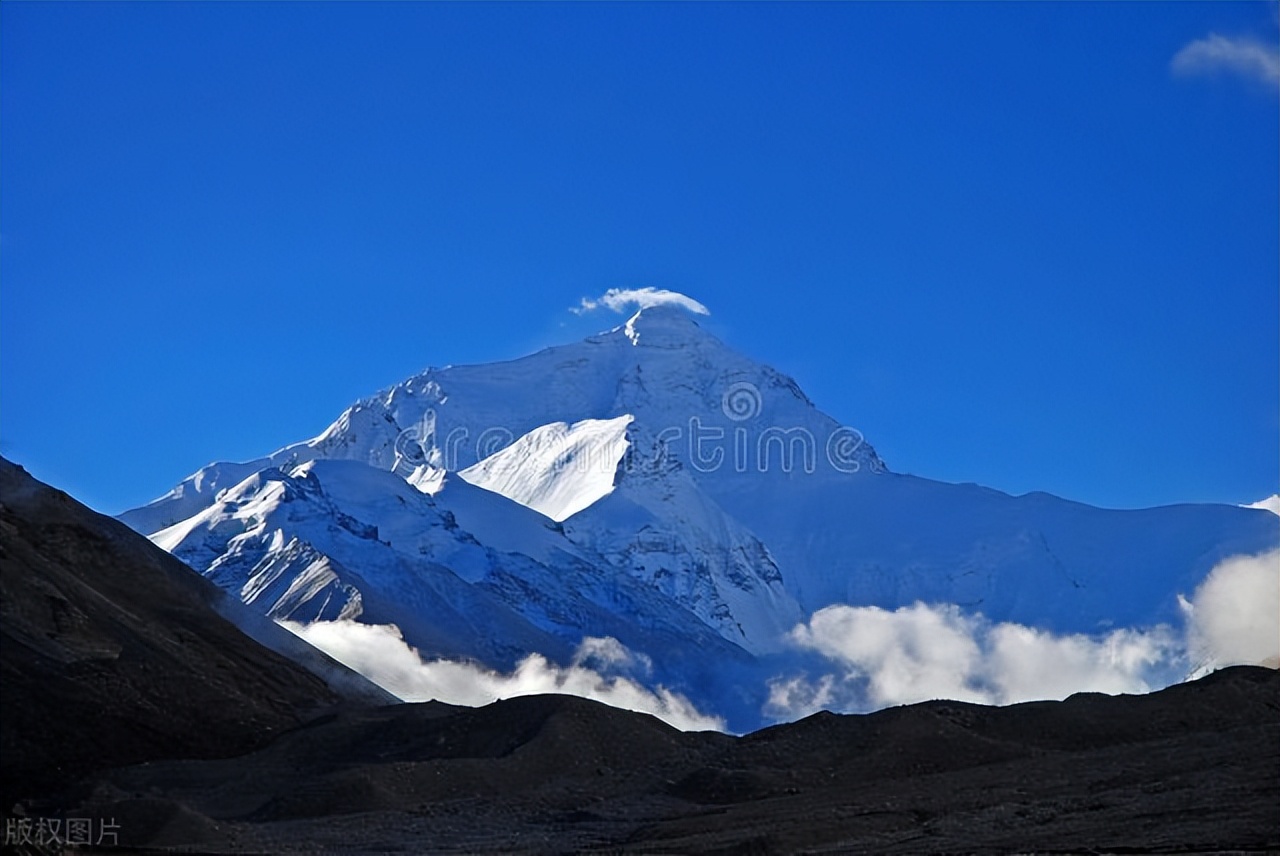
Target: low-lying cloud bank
927, 651
379, 652
872, 657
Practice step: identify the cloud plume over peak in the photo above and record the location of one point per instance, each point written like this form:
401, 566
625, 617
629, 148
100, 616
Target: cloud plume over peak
620, 299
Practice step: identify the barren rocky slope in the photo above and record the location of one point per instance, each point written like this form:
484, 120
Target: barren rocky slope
116, 653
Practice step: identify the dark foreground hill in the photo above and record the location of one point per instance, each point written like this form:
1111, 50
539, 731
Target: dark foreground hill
116, 653
126, 704
1192, 769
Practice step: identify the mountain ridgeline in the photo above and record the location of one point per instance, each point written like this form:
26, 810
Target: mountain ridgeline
653, 485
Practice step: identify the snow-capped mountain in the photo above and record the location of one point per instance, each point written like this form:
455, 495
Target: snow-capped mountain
653, 485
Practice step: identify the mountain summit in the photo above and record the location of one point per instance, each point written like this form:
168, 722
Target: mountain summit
652, 485
664, 327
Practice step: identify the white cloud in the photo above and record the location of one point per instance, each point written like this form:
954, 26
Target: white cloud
379, 652
928, 651
797, 696
604, 653
921, 652
1242, 56
1234, 615
915, 653
1024, 663
619, 299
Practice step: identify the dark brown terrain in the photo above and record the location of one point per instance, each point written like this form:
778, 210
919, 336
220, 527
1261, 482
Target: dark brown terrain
126, 696
114, 652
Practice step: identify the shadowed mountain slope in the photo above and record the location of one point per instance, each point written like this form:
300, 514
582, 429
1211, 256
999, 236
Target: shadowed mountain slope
114, 652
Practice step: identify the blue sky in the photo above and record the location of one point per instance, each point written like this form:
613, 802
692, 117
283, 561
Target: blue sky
1012, 243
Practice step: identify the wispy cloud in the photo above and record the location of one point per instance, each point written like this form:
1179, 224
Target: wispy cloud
1242, 56
379, 652
621, 299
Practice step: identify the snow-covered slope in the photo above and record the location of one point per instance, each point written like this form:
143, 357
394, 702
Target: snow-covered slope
340, 539
1271, 503
654, 485
557, 469
663, 530
660, 368
1035, 559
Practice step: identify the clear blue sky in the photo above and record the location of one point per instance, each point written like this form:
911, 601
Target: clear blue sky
1009, 242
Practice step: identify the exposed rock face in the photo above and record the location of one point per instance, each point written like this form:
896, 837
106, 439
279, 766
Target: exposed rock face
116, 653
